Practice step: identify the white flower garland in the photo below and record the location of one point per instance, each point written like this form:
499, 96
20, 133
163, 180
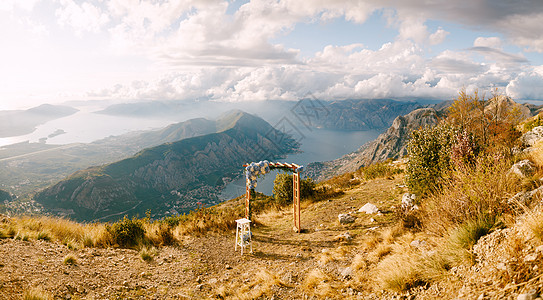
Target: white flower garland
261, 168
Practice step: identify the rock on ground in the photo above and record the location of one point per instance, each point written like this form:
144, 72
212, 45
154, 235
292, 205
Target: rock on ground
533, 136
346, 218
523, 168
369, 208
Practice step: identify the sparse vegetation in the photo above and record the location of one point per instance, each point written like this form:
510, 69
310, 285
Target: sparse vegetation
70, 259
36, 294
531, 123
379, 170
147, 254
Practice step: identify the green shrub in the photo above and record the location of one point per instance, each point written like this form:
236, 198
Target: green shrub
127, 232
429, 158
283, 190
467, 234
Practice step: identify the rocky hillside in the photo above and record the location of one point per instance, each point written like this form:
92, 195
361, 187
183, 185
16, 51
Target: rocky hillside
364, 114
390, 144
170, 178
393, 142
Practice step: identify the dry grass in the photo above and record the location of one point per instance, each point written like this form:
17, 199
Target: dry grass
206, 220
390, 234
260, 285
533, 222
70, 259
470, 194
379, 252
371, 242
319, 284
379, 170
56, 229
335, 254
36, 294
536, 155
398, 272
158, 233
147, 254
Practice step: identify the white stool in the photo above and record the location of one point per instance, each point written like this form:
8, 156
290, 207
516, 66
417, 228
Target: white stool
243, 234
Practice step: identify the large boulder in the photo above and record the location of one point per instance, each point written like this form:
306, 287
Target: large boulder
523, 168
533, 136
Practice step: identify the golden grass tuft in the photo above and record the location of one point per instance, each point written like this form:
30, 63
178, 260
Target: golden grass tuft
335, 254
319, 284
36, 293
371, 242
533, 223
398, 272
70, 259
359, 262
379, 252
147, 254
536, 155
260, 285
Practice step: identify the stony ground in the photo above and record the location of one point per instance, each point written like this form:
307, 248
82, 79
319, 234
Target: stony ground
208, 267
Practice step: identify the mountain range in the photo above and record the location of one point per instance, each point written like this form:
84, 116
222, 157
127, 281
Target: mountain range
170, 178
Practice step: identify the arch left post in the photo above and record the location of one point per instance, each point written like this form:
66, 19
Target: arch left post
248, 192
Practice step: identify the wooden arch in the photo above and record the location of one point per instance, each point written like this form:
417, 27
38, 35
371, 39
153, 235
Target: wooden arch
249, 188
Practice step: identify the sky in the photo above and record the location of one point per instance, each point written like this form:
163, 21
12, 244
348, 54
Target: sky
133, 50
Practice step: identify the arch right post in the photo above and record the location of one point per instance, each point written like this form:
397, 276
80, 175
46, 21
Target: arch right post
296, 202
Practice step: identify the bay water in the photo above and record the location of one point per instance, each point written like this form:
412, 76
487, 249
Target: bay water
316, 145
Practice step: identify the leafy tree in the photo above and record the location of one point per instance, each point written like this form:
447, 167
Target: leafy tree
283, 189
429, 157
489, 122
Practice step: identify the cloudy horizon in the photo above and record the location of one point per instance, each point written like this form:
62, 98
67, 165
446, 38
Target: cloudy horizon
127, 50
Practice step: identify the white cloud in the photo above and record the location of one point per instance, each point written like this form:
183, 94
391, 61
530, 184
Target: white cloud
396, 70
527, 85
10, 5
84, 17
490, 42
195, 49
519, 21
438, 37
